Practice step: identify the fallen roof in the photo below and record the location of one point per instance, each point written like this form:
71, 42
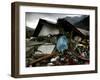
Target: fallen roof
61, 23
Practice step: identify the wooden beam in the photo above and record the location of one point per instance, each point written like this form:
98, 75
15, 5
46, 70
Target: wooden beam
44, 57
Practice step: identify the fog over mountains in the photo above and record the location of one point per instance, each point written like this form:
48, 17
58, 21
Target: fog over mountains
75, 19
84, 24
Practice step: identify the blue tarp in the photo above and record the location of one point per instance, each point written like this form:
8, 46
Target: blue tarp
62, 43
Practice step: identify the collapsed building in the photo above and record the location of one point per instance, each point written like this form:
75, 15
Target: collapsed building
45, 28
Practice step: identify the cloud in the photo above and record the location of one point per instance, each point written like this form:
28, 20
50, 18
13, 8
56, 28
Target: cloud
33, 18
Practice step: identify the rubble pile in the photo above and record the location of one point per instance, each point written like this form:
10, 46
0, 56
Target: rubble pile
77, 53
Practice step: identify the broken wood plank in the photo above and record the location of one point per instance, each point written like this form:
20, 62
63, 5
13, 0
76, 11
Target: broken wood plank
44, 57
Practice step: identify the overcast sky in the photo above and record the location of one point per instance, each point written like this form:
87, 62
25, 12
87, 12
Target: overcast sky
33, 18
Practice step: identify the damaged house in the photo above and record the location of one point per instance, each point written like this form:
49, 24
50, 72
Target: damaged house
45, 28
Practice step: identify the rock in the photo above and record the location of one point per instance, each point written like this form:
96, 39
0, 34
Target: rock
54, 59
50, 64
62, 59
37, 64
